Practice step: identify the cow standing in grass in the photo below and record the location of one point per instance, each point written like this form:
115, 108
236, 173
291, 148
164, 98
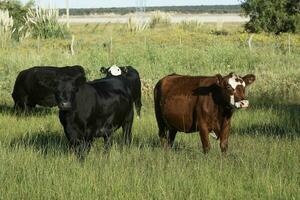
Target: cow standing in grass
93, 109
132, 75
199, 103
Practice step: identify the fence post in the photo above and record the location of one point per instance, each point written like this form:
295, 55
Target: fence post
72, 45
111, 44
180, 41
289, 44
38, 44
68, 14
250, 42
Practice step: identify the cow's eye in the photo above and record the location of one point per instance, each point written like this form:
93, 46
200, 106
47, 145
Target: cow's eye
229, 87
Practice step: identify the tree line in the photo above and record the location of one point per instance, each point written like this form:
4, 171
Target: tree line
218, 9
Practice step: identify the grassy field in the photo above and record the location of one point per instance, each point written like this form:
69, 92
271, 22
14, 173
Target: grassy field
263, 159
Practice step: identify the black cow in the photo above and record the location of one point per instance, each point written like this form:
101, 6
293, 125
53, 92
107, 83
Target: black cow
30, 89
94, 109
133, 77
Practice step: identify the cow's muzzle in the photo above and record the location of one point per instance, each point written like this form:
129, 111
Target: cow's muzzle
64, 105
242, 104
239, 104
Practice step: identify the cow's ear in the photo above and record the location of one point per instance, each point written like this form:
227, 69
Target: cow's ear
124, 70
103, 70
249, 79
79, 80
231, 74
219, 80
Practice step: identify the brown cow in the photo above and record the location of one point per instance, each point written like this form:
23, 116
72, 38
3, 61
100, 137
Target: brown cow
199, 103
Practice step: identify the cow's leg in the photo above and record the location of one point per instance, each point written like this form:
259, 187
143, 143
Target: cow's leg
204, 137
159, 117
21, 103
82, 149
89, 138
30, 105
138, 106
224, 134
162, 133
19, 107
73, 135
162, 130
171, 137
127, 126
107, 141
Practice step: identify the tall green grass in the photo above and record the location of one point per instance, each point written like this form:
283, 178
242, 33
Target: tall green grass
263, 158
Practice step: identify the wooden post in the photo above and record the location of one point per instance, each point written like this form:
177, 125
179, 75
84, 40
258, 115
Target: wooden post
250, 42
38, 44
72, 45
289, 44
68, 14
111, 44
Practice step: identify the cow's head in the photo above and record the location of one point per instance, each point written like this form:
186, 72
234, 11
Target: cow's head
113, 70
234, 89
64, 88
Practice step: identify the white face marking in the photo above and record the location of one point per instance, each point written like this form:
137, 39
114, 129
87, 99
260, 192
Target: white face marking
232, 100
242, 104
115, 70
233, 83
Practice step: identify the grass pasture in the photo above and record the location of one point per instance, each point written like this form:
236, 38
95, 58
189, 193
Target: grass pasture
263, 159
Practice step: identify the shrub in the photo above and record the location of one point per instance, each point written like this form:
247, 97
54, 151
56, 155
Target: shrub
191, 25
159, 18
43, 23
136, 24
6, 25
18, 14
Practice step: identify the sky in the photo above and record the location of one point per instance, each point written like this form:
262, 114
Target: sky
130, 3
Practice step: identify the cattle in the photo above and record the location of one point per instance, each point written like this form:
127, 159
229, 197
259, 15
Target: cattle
94, 109
133, 77
199, 103
30, 89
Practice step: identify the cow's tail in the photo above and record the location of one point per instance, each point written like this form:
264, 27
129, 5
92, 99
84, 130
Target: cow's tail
138, 100
158, 114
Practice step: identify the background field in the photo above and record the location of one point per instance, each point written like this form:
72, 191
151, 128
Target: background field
263, 158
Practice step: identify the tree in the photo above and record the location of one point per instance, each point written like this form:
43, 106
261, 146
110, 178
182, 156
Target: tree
272, 15
18, 12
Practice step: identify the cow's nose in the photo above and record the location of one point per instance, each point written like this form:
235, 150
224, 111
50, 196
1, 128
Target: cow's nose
64, 105
242, 104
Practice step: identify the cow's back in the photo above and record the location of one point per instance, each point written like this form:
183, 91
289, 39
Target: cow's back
176, 101
114, 96
112, 85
